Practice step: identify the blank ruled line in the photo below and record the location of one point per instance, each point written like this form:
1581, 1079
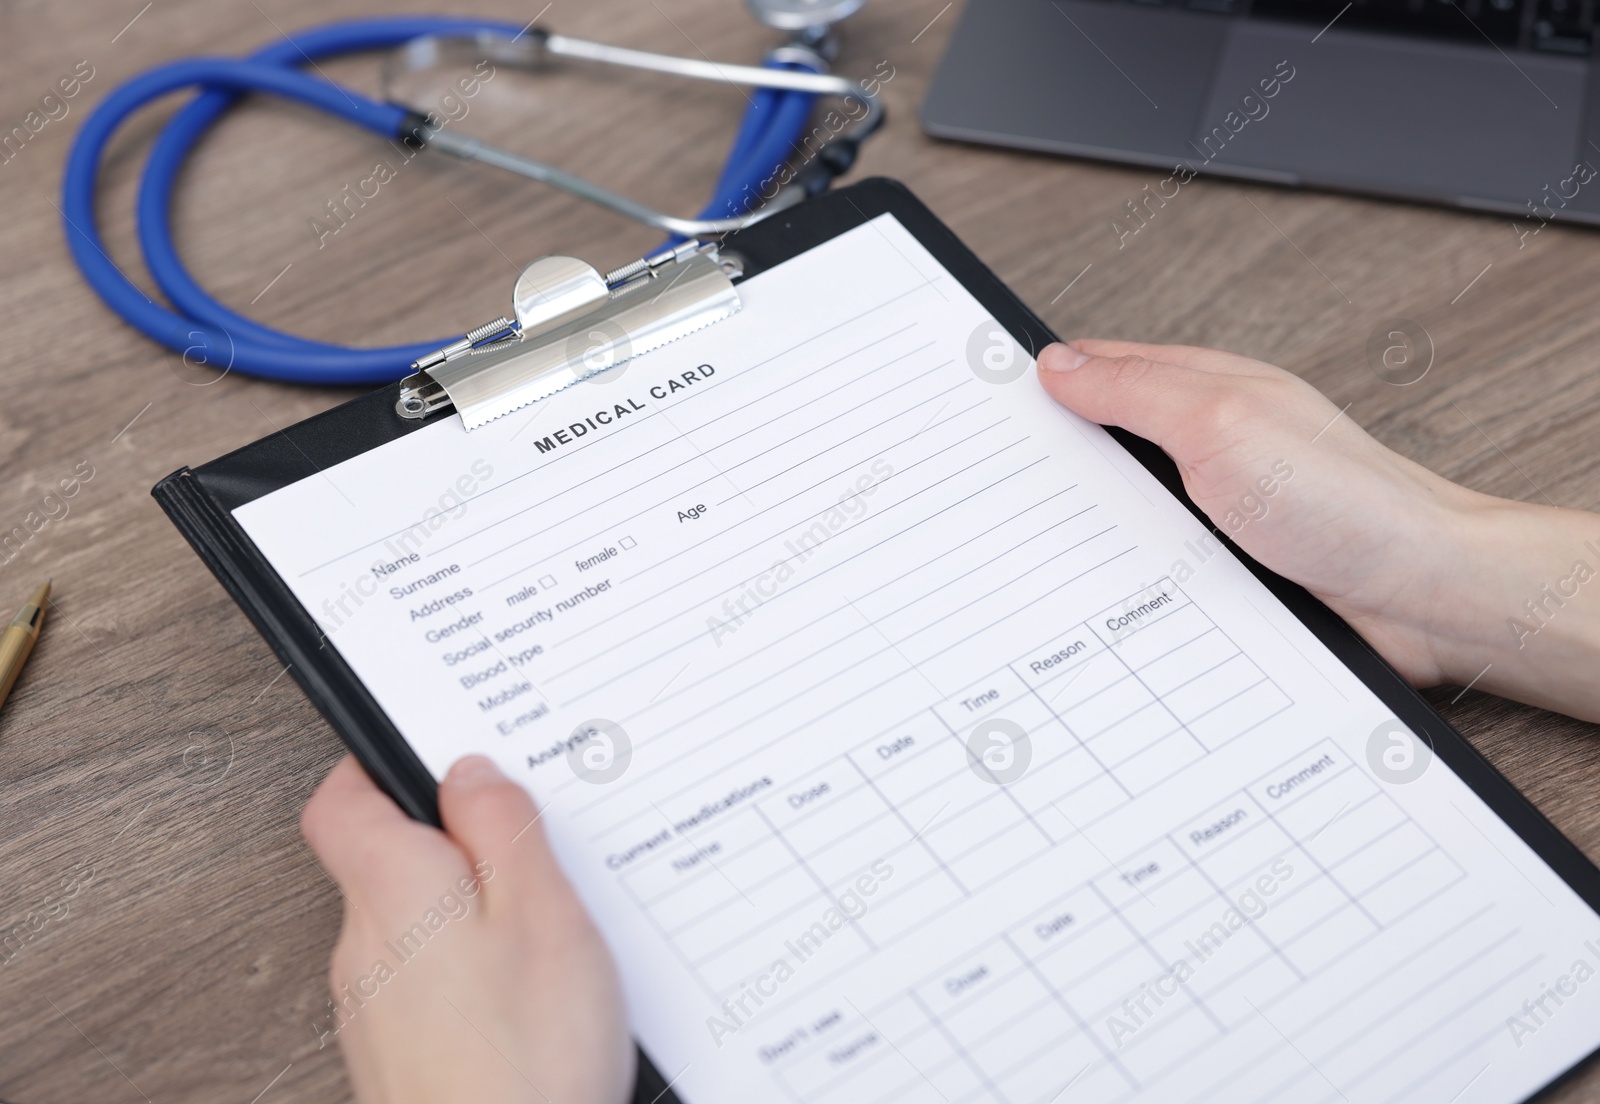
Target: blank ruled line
628, 491
810, 377
700, 454
773, 536
848, 321
729, 559
890, 645
831, 393
728, 764
845, 441
1010, 582
588, 481
1472, 1047
934, 591
721, 533
568, 455
835, 475
864, 551
1421, 990
677, 647
1472, 1003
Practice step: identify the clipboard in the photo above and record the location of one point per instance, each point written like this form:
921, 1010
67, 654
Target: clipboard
201, 501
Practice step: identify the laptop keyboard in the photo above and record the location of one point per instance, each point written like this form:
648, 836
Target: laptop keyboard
1555, 26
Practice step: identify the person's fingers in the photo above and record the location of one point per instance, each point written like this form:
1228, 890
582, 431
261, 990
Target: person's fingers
495, 821
366, 843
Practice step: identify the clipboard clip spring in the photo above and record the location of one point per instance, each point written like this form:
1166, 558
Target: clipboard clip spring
569, 323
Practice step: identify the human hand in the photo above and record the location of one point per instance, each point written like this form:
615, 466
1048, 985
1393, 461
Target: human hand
466, 969
1433, 575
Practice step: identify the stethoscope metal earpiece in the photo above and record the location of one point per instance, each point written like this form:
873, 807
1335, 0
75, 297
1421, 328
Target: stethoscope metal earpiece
532, 50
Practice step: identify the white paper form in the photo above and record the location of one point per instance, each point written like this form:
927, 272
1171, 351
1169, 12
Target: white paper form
910, 743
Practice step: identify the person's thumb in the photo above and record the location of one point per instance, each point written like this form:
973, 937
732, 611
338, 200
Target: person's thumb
495, 821
1155, 400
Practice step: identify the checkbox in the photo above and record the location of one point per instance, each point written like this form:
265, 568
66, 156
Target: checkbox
627, 542
548, 581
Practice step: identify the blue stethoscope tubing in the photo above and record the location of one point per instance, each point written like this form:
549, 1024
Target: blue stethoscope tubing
208, 333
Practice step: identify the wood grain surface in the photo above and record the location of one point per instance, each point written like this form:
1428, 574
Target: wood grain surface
155, 757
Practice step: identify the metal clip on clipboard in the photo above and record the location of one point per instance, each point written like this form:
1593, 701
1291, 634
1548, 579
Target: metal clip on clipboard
571, 323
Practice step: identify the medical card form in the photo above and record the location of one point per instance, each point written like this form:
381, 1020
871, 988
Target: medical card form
908, 741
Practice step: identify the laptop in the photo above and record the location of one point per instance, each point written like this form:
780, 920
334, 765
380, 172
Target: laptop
1486, 104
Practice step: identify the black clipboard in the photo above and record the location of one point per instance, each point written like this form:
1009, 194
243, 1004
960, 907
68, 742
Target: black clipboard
200, 502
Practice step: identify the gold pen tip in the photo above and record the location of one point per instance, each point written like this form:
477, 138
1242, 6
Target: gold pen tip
43, 593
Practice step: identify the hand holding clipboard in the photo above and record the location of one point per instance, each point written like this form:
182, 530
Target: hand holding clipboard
1171, 749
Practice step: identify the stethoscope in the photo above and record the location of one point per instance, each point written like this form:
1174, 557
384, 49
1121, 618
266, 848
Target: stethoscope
206, 332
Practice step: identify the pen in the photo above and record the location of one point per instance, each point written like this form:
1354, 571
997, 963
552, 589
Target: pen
16, 644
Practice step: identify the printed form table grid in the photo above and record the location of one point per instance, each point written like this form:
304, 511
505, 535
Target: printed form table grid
1110, 708
1117, 982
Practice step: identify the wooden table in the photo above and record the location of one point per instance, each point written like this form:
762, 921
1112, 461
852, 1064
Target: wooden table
154, 755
